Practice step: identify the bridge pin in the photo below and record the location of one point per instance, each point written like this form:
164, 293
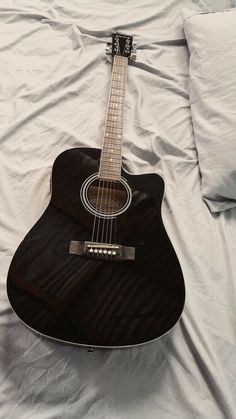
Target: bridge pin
109, 252
95, 250
113, 253
91, 250
100, 251
104, 252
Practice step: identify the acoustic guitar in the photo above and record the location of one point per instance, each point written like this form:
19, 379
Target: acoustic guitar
98, 268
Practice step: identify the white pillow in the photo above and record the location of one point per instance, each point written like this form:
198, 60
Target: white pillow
211, 38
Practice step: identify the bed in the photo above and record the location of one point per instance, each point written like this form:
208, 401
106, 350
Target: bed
54, 86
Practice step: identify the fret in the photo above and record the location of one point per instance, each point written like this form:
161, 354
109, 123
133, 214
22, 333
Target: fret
115, 112
119, 63
113, 147
119, 72
115, 152
108, 172
117, 85
113, 130
121, 69
117, 123
109, 178
111, 163
116, 147
110, 169
106, 161
111, 166
119, 59
114, 105
118, 77
108, 142
114, 124
113, 136
108, 156
113, 139
116, 102
117, 135
117, 92
109, 132
116, 99
115, 115
112, 154
116, 162
120, 85
109, 127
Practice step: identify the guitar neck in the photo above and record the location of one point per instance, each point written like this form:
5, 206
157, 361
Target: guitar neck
111, 157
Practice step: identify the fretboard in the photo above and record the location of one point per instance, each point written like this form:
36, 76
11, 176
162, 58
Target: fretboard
110, 164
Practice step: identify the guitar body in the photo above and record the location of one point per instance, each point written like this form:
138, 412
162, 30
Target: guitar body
90, 300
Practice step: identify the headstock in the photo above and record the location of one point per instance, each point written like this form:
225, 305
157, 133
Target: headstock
121, 45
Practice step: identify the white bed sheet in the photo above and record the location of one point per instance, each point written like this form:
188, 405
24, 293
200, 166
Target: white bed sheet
54, 86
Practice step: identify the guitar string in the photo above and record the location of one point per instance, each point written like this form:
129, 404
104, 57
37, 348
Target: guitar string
112, 198
97, 200
105, 209
103, 219
100, 208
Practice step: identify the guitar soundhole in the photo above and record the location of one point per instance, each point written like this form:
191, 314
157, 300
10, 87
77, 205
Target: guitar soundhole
105, 198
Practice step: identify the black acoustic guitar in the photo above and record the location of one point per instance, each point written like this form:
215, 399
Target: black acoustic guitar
98, 268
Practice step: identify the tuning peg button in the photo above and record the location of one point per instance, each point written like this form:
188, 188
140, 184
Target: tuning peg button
108, 48
133, 52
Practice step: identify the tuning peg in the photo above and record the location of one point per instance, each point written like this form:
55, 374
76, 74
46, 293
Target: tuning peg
108, 48
133, 52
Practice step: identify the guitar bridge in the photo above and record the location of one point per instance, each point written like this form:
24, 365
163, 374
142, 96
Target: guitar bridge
102, 251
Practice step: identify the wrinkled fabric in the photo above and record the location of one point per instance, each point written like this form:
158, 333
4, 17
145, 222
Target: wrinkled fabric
54, 87
212, 96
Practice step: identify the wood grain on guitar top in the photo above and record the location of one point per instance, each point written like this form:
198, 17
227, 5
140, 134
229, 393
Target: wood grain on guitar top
93, 302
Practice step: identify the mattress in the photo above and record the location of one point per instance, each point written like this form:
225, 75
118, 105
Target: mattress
54, 88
